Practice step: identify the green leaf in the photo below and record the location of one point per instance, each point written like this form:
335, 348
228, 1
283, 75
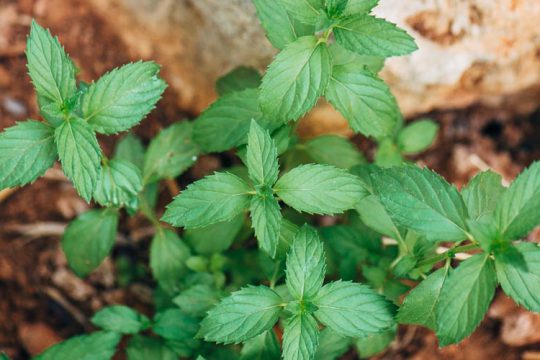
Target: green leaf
307, 11
51, 69
423, 201
4, 356
306, 264
168, 255
300, 338
363, 99
296, 79
89, 239
357, 7
319, 189
266, 222
352, 309
170, 153
335, 8
463, 304
262, 347
261, 157
281, 29
348, 247
120, 319
368, 35
376, 343
80, 155
145, 348
130, 148
518, 210
420, 305
216, 198
334, 150
214, 238
97, 346
173, 324
342, 56
388, 154
417, 136
121, 98
239, 79
197, 300
119, 184
482, 194
27, 150
225, 124
331, 345
243, 315
521, 284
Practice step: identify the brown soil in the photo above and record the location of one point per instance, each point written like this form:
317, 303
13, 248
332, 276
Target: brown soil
41, 301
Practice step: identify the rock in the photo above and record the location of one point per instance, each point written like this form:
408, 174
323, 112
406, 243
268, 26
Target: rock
475, 51
37, 337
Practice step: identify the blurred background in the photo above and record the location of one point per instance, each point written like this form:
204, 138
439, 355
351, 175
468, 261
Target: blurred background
477, 73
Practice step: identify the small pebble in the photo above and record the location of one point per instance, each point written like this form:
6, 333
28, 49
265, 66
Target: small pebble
14, 107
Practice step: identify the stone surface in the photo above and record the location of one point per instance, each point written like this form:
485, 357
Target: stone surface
471, 51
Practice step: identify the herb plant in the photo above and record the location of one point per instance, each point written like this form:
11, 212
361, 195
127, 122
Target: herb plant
253, 273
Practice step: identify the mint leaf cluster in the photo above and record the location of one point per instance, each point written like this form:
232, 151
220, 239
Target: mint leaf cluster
330, 49
346, 308
484, 216
314, 189
256, 262
74, 113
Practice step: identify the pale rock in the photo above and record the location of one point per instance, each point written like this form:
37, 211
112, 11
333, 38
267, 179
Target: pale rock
471, 52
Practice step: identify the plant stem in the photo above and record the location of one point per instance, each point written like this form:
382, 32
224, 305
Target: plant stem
447, 254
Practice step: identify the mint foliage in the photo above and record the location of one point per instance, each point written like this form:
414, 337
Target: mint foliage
519, 275
168, 255
306, 265
353, 310
80, 155
368, 35
225, 124
216, 198
243, 315
250, 261
363, 99
97, 346
89, 239
281, 28
239, 79
120, 319
319, 189
121, 98
170, 153
300, 337
296, 79
51, 69
423, 201
463, 304
27, 150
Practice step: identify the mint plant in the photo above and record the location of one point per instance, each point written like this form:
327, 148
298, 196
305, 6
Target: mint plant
252, 273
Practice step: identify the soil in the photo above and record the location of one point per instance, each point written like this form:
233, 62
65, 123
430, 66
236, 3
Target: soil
42, 302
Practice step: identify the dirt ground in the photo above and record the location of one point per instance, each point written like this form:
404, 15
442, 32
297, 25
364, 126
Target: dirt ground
42, 302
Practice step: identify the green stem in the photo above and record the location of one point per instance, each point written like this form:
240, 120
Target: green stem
447, 254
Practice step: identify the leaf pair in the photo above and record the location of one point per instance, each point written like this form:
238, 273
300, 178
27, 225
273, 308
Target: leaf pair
319, 189
348, 309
